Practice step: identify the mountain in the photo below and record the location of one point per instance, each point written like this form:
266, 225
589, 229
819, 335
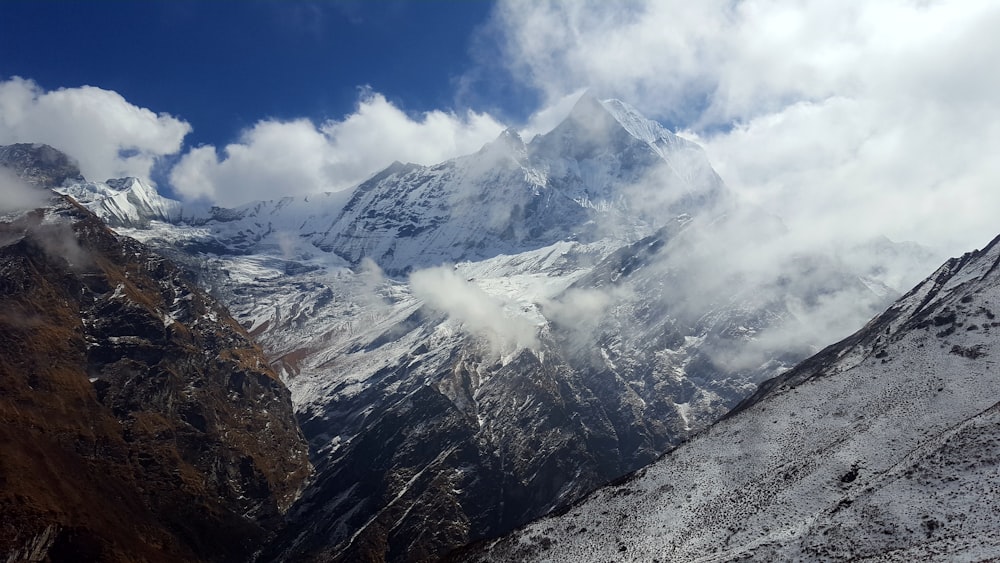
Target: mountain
39, 165
571, 183
124, 202
880, 448
473, 344
140, 422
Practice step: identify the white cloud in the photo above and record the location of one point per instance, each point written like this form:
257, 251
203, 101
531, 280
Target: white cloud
480, 313
547, 118
17, 195
847, 117
106, 134
298, 157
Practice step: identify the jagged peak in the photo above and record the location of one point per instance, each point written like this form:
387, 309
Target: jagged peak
509, 143
511, 135
601, 121
126, 183
638, 125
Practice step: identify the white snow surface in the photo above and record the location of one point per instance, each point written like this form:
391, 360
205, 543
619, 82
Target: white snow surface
124, 202
888, 454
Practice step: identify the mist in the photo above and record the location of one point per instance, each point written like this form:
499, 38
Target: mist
17, 195
738, 278
60, 242
482, 315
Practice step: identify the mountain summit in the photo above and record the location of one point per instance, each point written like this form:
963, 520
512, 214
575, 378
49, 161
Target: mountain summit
573, 182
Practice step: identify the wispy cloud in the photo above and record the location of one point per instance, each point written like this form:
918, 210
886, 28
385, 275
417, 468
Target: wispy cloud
481, 314
16, 195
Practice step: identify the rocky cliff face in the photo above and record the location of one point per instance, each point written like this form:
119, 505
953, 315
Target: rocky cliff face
880, 448
139, 421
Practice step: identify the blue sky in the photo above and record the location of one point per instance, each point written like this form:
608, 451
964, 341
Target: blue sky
848, 118
222, 66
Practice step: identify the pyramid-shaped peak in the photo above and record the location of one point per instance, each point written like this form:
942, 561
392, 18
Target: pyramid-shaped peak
610, 123
125, 183
638, 125
509, 141
589, 110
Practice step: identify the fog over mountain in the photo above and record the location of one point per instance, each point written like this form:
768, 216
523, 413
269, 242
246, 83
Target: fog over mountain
504, 280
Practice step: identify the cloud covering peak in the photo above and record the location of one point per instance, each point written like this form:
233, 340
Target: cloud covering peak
853, 118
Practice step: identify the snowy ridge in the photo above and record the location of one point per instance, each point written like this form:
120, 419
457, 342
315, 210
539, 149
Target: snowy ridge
646, 130
888, 458
571, 182
124, 202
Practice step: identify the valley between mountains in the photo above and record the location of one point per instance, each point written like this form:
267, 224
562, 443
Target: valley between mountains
471, 346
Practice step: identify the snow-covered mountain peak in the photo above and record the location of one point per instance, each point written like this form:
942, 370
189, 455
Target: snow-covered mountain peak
605, 171
125, 202
610, 124
635, 123
131, 183
509, 142
589, 129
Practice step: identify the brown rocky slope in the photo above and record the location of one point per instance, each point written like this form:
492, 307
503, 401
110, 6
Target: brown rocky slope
138, 422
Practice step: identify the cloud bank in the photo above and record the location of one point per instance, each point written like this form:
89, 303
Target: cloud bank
846, 118
299, 157
106, 134
112, 138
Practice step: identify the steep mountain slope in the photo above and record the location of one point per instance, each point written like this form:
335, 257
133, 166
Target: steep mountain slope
473, 344
474, 433
139, 422
39, 165
124, 202
882, 447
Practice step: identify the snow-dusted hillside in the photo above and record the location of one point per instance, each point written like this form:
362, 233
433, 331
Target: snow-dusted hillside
881, 448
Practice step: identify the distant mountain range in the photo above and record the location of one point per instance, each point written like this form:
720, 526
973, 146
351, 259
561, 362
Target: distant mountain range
474, 344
